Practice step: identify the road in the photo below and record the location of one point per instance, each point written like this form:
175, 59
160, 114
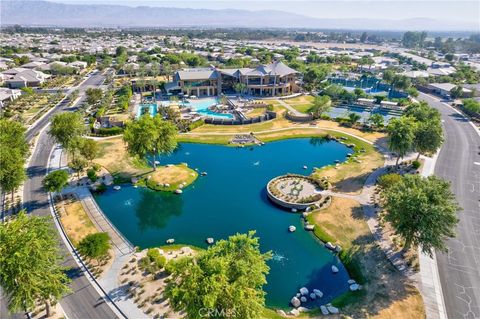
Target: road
459, 163
84, 301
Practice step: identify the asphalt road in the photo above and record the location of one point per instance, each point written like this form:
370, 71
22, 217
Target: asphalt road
84, 301
459, 163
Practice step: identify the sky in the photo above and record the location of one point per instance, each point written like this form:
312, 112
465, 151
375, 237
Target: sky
467, 11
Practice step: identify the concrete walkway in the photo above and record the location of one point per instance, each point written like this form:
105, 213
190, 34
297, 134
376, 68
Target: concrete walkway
290, 108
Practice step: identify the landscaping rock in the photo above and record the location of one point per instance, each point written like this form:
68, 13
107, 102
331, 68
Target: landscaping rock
313, 296
324, 310
295, 302
318, 293
292, 228
334, 269
338, 248
305, 214
281, 313
304, 309
303, 299
330, 246
210, 240
178, 191
170, 241
309, 227
294, 210
294, 312
298, 295
351, 281
354, 287
166, 185
332, 309
303, 291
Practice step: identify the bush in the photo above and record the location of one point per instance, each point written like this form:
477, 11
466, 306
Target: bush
416, 164
95, 245
100, 188
388, 180
92, 174
195, 124
110, 131
96, 167
153, 261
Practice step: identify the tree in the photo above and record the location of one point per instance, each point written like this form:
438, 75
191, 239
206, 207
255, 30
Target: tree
423, 112
89, 149
226, 278
353, 118
94, 95
422, 211
240, 87
456, 92
150, 135
377, 120
95, 245
12, 135
428, 137
320, 105
55, 181
401, 135
30, 263
66, 128
78, 164
471, 106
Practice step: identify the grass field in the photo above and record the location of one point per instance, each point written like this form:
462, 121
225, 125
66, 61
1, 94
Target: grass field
386, 293
75, 220
174, 176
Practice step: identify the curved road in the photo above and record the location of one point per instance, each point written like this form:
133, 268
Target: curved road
84, 301
459, 163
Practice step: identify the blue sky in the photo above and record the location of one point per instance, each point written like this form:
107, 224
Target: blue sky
467, 11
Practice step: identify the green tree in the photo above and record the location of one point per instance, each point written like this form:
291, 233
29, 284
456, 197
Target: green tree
55, 181
320, 105
377, 120
89, 149
30, 263
471, 106
150, 135
12, 135
66, 128
353, 118
428, 137
78, 164
228, 278
401, 135
422, 211
422, 112
95, 245
240, 87
94, 95
456, 92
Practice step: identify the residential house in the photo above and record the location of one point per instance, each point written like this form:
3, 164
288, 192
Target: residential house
27, 78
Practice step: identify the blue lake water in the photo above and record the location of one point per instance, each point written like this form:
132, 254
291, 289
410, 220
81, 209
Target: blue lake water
231, 199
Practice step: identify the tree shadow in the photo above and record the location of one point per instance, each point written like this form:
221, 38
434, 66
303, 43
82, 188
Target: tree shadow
351, 184
155, 209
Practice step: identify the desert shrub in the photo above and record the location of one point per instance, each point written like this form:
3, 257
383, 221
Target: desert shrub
92, 174
416, 164
388, 180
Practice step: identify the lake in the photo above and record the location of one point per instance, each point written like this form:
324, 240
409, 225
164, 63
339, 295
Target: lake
231, 199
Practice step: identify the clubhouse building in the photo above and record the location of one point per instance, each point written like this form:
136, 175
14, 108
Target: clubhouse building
275, 79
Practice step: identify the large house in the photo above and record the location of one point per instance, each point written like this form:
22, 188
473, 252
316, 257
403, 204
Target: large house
265, 80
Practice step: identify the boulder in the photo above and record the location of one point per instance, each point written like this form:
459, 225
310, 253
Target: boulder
305, 214
294, 312
318, 293
303, 291
281, 313
303, 299
351, 282
354, 287
298, 295
210, 240
170, 241
332, 309
324, 310
309, 227
178, 191
304, 309
330, 246
294, 210
313, 296
166, 185
292, 228
338, 248
334, 269
295, 302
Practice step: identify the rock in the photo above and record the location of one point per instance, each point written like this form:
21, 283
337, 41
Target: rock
292, 228
294, 210
351, 282
204, 174
157, 162
334, 269
332, 309
295, 302
170, 241
178, 191
305, 214
166, 185
303, 291
304, 309
324, 310
318, 293
169, 165
330, 246
354, 287
349, 154
210, 240
281, 313
309, 227
298, 295
338, 248
117, 187
308, 209
294, 312
305, 167
313, 296
303, 299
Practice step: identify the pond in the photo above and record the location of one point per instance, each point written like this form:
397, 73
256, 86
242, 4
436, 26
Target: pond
232, 198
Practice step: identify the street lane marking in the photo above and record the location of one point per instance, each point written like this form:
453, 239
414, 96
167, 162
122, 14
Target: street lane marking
476, 163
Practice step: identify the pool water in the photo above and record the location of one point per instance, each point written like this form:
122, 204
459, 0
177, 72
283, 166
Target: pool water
152, 109
201, 106
231, 199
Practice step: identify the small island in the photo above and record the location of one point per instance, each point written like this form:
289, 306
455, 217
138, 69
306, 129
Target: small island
169, 178
294, 191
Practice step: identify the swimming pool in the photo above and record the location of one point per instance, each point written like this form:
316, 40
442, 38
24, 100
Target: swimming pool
201, 106
142, 109
231, 199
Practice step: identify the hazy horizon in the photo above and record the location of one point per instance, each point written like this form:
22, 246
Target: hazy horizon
466, 11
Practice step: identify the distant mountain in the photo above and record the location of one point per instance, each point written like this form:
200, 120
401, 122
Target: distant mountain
45, 13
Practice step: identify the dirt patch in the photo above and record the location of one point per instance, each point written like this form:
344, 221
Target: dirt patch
75, 220
386, 293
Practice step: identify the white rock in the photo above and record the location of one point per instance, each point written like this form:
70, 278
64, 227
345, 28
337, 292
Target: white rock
351, 282
330, 246
332, 309
295, 302
170, 241
309, 227
210, 240
334, 269
298, 295
292, 228
294, 210
303, 309
324, 310
166, 185
294, 312
313, 296
303, 291
305, 167
178, 191
281, 313
303, 299
354, 287
338, 248
318, 293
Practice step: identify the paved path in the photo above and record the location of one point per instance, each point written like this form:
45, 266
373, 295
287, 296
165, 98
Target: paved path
459, 163
290, 108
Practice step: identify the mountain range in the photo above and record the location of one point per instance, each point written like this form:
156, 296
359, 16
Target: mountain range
46, 13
